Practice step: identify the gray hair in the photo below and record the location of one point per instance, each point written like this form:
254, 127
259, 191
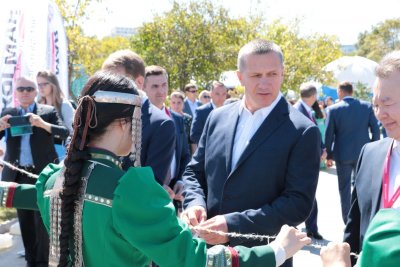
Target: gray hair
389, 64
258, 47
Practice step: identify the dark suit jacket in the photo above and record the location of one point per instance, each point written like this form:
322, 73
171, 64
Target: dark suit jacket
186, 108
158, 141
274, 181
41, 142
300, 107
199, 121
366, 196
347, 129
182, 153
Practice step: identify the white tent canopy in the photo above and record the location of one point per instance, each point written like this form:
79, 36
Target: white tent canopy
354, 69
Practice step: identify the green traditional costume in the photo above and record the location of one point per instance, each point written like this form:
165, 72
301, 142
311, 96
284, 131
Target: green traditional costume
127, 219
381, 246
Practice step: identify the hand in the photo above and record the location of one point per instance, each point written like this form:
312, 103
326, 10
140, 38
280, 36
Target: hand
178, 190
324, 154
169, 191
4, 122
329, 163
194, 215
36, 120
217, 223
292, 240
336, 255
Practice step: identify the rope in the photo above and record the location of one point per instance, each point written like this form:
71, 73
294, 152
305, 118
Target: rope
258, 237
12, 167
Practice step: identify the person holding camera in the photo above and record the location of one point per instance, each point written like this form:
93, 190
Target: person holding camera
30, 130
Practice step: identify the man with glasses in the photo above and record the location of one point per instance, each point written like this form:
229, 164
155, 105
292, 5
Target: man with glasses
31, 150
191, 101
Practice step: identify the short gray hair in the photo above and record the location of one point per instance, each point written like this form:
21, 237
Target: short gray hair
389, 64
258, 47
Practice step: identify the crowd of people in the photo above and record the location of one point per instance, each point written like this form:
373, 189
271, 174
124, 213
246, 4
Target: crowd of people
192, 179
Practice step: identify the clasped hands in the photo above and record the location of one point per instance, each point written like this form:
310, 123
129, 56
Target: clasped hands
196, 218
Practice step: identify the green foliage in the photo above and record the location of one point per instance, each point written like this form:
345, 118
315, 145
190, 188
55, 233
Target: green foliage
85, 52
194, 41
304, 57
361, 92
383, 38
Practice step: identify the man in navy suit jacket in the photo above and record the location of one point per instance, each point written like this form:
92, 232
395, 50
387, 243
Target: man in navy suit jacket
257, 163
348, 122
218, 96
156, 88
368, 194
308, 94
191, 102
157, 128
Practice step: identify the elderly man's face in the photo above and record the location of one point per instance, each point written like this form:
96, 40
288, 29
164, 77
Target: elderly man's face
25, 92
262, 77
386, 103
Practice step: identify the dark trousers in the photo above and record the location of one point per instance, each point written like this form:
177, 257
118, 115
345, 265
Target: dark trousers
344, 171
311, 221
34, 235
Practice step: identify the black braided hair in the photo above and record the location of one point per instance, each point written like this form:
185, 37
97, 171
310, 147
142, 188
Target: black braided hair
106, 114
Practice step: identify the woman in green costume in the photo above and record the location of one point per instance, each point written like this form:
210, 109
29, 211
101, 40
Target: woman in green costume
98, 215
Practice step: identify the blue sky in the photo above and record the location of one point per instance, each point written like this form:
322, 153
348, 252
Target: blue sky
344, 18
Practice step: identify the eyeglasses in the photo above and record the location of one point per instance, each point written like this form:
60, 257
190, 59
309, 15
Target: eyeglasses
206, 96
27, 89
43, 84
192, 91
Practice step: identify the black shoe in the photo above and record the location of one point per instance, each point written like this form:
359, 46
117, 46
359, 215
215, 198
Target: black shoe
314, 235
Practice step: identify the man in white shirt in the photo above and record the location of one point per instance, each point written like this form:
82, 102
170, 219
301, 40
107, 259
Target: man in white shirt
257, 163
377, 183
191, 102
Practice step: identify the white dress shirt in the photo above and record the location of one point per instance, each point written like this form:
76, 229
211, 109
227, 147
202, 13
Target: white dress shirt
308, 108
193, 106
394, 174
247, 126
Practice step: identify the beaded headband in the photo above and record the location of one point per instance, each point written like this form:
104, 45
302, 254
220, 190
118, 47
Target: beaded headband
127, 99
114, 98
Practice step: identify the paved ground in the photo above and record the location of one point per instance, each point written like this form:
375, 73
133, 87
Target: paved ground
329, 221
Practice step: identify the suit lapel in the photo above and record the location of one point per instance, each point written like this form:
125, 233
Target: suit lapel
230, 131
267, 128
376, 181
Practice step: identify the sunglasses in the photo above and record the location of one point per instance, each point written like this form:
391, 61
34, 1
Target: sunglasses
27, 89
206, 96
192, 91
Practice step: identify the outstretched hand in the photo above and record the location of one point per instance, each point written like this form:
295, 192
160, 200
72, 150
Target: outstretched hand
292, 240
336, 255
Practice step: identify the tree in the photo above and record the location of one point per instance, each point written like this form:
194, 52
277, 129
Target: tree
194, 41
383, 38
304, 56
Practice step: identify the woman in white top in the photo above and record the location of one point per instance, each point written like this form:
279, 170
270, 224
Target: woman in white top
51, 94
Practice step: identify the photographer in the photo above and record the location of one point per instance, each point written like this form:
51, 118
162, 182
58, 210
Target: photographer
29, 131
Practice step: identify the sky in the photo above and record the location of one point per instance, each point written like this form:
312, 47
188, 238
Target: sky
344, 18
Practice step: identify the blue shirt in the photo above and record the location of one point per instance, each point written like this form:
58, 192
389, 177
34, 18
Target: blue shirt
25, 156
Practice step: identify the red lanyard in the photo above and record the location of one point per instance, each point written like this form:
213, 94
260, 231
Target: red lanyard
385, 182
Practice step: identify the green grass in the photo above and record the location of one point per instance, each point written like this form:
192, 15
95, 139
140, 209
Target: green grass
7, 214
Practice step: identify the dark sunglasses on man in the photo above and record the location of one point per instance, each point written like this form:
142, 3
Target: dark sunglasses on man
27, 89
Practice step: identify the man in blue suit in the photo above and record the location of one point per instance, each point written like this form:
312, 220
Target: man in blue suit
156, 88
191, 102
158, 140
308, 96
368, 196
218, 96
256, 167
347, 131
